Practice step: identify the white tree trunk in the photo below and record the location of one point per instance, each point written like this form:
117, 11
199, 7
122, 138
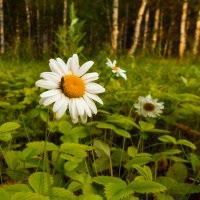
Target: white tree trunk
182, 45
65, 13
2, 42
155, 28
115, 30
146, 28
137, 28
197, 36
28, 19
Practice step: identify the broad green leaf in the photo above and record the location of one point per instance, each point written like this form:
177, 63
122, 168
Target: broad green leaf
122, 132
6, 136
139, 160
106, 126
145, 126
101, 164
147, 186
4, 104
9, 126
64, 127
132, 151
167, 139
167, 182
40, 182
101, 148
13, 159
62, 194
187, 143
103, 180
12, 189
195, 161
89, 197
184, 188
158, 156
144, 171
29, 196
4, 194
163, 196
178, 171
42, 146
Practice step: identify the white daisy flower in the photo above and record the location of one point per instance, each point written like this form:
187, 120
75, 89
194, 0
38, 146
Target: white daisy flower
149, 107
69, 86
116, 70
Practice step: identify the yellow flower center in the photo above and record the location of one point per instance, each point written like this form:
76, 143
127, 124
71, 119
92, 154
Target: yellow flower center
149, 107
72, 86
115, 68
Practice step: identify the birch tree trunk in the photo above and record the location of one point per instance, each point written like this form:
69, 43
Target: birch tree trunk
137, 28
155, 28
146, 28
115, 30
197, 36
182, 45
2, 50
65, 13
28, 19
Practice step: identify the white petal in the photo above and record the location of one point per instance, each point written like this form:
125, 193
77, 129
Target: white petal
114, 63
85, 67
50, 93
123, 75
86, 107
94, 88
75, 64
41, 101
51, 99
79, 106
73, 111
60, 102
62, 65
89, 77
51, 76
62, 109
84, 118
46, 84
55, 67
94, 97
91, 104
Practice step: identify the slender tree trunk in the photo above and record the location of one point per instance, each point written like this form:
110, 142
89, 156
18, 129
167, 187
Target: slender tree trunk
2, 50
126, 25
115, 29
44, 34
146, 28
37, 21
65, 13
197, 36
28, 19
182, 45
155, 28
137, 28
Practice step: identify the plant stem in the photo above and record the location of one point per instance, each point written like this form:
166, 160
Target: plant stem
120, 165
108, 80
111, 170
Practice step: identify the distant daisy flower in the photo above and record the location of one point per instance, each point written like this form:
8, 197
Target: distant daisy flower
69, 86
116, 70
149, 107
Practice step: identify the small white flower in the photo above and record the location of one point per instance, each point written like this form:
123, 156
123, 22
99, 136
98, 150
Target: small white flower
116, 70
149, 107
69, 86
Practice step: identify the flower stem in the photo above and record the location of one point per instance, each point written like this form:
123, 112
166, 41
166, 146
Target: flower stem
108, 80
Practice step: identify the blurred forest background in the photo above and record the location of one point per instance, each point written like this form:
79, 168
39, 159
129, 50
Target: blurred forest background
35, 28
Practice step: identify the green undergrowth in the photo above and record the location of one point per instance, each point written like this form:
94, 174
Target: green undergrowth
116, 155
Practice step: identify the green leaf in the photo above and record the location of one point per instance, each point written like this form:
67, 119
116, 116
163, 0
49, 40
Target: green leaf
42, 146
167, 139
184, 188
103, 180
62, 194
13, 159
187, 143
29, 196
40, 182
89, 197
163, 196
132, 151
145, 126
147, 186
139, 160
106, 126
4, 104
122, 132
6, 136
4, 195
64, 127
144, 171
101, 148
12, 189
9, 126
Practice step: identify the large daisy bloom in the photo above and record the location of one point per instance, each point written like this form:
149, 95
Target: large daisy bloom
116, 70
70, 87
149, 107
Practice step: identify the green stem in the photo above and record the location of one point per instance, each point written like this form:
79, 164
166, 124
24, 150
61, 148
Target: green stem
111, 169
120, 165
108, 80
156, 169
24, 125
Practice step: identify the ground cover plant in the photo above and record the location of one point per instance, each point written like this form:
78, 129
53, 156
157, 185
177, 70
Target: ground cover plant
120, 153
